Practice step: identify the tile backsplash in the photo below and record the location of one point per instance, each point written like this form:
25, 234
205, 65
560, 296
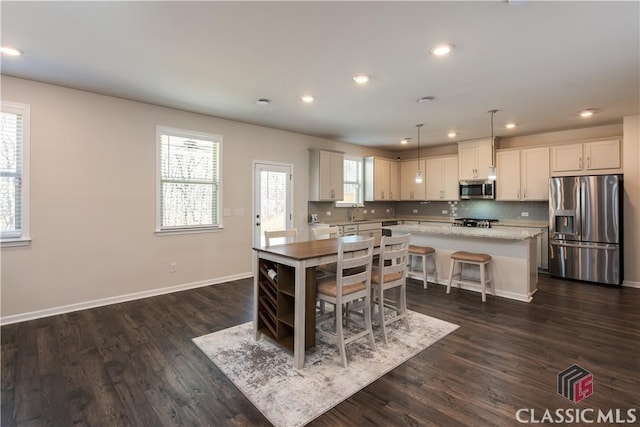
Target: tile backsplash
505, 211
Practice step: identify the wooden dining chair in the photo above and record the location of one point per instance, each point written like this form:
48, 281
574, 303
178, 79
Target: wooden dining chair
352, 283
285, 236
325, 233
391, 273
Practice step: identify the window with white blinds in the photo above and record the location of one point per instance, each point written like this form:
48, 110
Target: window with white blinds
189, 191
14, 173
353, 182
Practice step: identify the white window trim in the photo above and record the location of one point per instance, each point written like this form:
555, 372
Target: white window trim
24, 237
170, 231
340, 204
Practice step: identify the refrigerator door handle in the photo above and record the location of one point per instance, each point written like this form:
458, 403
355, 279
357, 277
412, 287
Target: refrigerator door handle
605, 247
581, 204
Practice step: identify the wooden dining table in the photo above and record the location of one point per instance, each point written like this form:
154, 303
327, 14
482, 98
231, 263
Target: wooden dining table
303, 258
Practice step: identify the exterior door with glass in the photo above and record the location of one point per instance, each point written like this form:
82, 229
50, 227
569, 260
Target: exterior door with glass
273, 199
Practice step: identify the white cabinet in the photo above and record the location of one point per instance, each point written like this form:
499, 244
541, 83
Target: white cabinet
523, 174
381, 179
394, 180
442, 178
474, 158
409, 189
586, 158
372, 229
326, 171
602, 155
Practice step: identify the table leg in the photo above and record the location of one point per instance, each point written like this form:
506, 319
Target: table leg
299, 318
256, 285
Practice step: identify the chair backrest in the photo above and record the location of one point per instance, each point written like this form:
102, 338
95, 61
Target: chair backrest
285, 236
355, 259
394, 257
325, 232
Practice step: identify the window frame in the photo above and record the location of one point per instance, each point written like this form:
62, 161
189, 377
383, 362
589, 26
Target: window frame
188, 229
360, 183
23, 236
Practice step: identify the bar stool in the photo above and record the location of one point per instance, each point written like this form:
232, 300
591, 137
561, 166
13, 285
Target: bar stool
423, 252
481, 260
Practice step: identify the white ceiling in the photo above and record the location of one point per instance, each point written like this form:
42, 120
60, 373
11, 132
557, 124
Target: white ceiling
539, 63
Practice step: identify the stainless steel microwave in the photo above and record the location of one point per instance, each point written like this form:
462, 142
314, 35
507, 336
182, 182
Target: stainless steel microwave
477, 189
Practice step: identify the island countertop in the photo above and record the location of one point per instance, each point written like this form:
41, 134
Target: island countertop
450, 230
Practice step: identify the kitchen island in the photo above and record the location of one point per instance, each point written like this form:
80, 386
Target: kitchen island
514, 254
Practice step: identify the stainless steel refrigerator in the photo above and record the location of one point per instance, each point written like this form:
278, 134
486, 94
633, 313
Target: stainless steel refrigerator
585, 228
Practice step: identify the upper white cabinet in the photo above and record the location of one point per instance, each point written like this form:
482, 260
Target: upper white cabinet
474, 158
326, 171
442, 178
409, 189
394, 180
584, 158
381, 180
523, 174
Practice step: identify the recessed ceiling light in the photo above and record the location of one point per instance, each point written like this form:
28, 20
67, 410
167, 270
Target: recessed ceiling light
510, 125
586, 113
308, 99
263, 101
361, 78
10, 51
405, 140
442, 49
452, 134
425, 99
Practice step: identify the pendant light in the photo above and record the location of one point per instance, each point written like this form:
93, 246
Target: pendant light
492, 168
419, 172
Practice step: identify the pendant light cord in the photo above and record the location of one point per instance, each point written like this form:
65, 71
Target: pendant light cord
419, 126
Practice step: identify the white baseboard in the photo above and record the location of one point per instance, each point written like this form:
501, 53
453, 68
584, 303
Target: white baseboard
6, 320
630, 284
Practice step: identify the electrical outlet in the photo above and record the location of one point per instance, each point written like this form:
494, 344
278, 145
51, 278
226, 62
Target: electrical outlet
173, 267
328, 213
364, 211
444, 211
415, 211
388, 210
373, 211
524, 213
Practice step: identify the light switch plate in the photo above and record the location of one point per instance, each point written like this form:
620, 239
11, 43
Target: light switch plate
524, 213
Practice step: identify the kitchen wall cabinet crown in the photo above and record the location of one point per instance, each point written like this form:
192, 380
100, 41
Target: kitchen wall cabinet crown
474, 158
442, 178
326, 169
593, 157
381, 180
409, 189
523, 174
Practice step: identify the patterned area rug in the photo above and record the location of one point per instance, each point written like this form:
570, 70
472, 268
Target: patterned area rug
264, 371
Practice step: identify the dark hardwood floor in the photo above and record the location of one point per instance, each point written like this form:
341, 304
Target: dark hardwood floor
133, 364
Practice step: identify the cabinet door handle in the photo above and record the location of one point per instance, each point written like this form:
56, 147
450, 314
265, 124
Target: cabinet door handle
525, 193
518, 194
382, 195
579, 162
588, 162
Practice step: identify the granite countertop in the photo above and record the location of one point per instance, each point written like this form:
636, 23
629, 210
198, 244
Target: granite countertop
506, 223
435, 219
491, 233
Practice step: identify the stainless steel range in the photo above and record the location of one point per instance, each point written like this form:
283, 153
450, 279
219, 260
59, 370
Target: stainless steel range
473, 222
